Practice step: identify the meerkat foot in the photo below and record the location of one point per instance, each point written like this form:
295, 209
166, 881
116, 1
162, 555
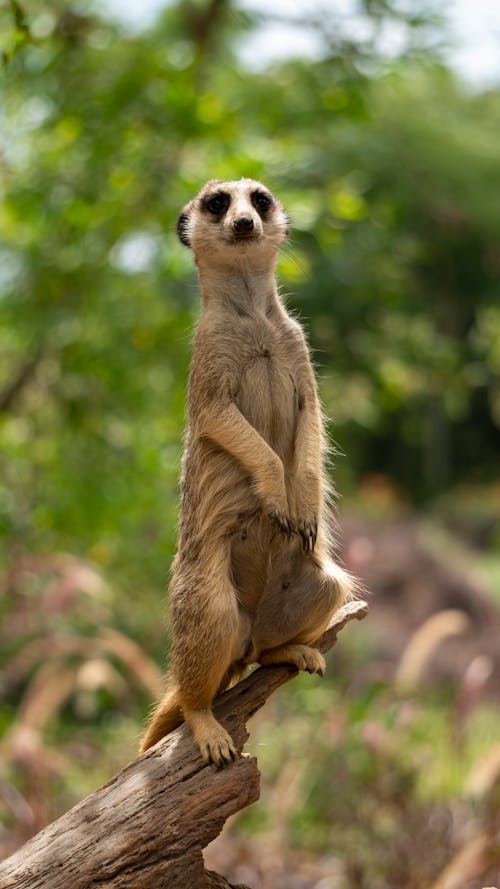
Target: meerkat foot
214, 742
301, 656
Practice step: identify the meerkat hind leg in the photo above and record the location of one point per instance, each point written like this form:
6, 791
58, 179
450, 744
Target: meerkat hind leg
212, 739
214, 742
208, 645
296, 606
302, 594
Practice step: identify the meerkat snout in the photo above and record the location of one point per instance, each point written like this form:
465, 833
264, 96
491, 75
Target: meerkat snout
243, 225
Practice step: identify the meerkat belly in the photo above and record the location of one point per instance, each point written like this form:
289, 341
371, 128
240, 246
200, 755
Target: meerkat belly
250, 561
267, 398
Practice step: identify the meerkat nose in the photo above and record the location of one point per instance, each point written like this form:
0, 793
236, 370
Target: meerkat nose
243, 224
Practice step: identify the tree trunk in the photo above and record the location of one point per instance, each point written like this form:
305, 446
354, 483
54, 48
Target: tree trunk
147, 826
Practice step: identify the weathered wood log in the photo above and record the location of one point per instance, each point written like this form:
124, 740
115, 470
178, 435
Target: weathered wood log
148, 825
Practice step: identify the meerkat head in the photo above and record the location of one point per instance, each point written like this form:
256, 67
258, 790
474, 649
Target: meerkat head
230, 221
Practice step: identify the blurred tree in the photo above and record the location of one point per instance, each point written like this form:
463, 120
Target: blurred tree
14, 30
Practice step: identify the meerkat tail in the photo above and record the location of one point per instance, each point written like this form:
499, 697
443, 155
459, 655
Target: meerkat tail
166, 717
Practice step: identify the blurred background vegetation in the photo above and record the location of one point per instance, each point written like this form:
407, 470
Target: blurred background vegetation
386, 776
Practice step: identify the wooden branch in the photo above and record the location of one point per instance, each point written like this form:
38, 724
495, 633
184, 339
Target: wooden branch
148, 825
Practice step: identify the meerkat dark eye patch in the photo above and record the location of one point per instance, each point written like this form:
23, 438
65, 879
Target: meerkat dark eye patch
217, 204
261, 201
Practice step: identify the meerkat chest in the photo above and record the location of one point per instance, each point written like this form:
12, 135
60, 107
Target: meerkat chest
267, 394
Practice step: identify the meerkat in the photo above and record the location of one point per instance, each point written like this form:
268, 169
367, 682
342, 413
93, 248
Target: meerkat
254, 579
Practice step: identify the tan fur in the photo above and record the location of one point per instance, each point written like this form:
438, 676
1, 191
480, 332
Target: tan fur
253, 579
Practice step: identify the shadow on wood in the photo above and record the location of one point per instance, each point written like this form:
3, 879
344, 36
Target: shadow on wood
147, 826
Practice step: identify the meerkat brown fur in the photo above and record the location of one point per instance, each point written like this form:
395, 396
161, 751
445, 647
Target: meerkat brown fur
254, 580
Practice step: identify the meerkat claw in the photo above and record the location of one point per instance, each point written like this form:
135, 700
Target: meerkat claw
219, 755
284, 524
308, 532
223, 755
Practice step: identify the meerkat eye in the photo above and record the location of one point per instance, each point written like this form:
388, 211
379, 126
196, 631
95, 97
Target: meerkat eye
217, 204
261, 201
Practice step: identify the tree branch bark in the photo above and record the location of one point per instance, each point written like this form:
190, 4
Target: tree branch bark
149, 824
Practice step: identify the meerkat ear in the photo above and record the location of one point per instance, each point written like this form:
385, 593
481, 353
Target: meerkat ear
182, 228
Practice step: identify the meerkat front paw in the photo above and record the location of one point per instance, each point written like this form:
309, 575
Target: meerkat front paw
282, 521
270, 488
307, 496
278, 511
308, 533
